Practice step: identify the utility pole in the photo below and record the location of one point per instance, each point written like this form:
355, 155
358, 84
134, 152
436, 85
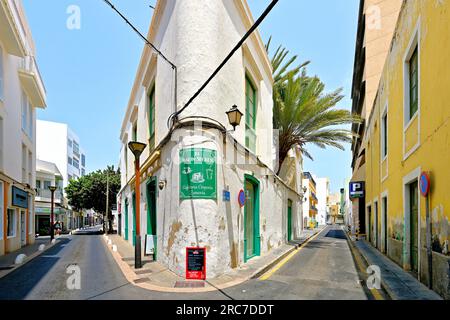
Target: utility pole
107, 201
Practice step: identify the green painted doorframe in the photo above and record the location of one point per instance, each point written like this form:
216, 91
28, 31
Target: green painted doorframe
126, 219
256, 218
151, 211
289, 221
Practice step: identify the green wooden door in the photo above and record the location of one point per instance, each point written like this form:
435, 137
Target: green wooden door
151, 212
126, 219
414, 212
134, 219
370, 224
376, 237
252, 236
289, 221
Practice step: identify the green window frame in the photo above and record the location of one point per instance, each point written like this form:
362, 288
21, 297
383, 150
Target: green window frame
385, 135
414, 83
151, 118
134, 133
250, 114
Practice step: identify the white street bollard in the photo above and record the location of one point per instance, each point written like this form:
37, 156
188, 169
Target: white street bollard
41, 247
53, 241
114, 247
20, 258
109, 242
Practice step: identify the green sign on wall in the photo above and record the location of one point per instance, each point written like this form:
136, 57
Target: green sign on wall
198, 174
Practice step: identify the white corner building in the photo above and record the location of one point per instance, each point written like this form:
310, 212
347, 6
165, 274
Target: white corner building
194, 169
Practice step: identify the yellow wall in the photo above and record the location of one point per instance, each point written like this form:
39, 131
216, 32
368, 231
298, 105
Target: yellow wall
430, 130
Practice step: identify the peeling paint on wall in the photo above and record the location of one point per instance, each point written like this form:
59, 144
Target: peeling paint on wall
440, 228
176, 226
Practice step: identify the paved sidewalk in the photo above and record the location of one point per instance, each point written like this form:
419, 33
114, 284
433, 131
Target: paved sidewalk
398, 283
31, 251
155, 276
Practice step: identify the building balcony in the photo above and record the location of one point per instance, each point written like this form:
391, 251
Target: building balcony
12, 30
45, 195
32, 83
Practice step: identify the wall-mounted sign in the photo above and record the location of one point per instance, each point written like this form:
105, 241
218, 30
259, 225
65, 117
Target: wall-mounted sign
196, 263
241, 198
40, 210
19, 198
357, 189
198, 174
425, 184
226, 196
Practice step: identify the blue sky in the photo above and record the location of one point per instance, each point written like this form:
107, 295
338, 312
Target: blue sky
88, 72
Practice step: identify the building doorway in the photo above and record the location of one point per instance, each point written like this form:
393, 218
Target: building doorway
23, 229
151, 212
414, 225
119, 224
126, 219
384, 228
252, 235
375, 225
289, 221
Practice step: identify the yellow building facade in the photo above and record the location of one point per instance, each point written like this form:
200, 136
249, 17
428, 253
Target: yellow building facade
408, 132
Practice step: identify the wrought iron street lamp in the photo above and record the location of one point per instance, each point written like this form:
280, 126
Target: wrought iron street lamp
137, 148
52, 231
234, 117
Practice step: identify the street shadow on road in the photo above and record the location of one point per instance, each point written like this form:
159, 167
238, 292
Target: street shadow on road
337, 234
88, 233
19, 283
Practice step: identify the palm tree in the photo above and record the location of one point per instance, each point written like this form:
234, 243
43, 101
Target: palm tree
302, 112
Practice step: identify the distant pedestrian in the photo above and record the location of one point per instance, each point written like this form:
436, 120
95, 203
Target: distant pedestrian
57, 227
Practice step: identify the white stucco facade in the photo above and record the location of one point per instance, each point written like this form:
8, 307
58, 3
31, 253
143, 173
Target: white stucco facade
21, 92
57, 143
196, 36
323, 193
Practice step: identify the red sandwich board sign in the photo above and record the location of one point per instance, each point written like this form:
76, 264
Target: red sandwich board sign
425, 184
195, 263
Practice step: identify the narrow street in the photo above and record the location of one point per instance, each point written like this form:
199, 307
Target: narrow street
322, 269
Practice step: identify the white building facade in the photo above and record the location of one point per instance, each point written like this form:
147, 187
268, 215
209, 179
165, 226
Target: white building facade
323, 194
47, 174
192, 173
58, 144
21, 92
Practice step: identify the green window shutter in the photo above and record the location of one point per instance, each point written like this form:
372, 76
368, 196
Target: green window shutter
151, 119
135, 132
413, 84
250, 115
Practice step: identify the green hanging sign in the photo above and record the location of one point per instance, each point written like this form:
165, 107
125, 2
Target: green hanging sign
198, 174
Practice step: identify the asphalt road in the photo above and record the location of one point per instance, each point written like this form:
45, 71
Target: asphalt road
322, 270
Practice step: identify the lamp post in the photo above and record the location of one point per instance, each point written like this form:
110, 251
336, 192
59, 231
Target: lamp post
137, 148
234, 117
52, 231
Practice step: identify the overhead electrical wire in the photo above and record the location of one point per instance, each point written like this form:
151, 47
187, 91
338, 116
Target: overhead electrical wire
228, 57
175, 115
174, 67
